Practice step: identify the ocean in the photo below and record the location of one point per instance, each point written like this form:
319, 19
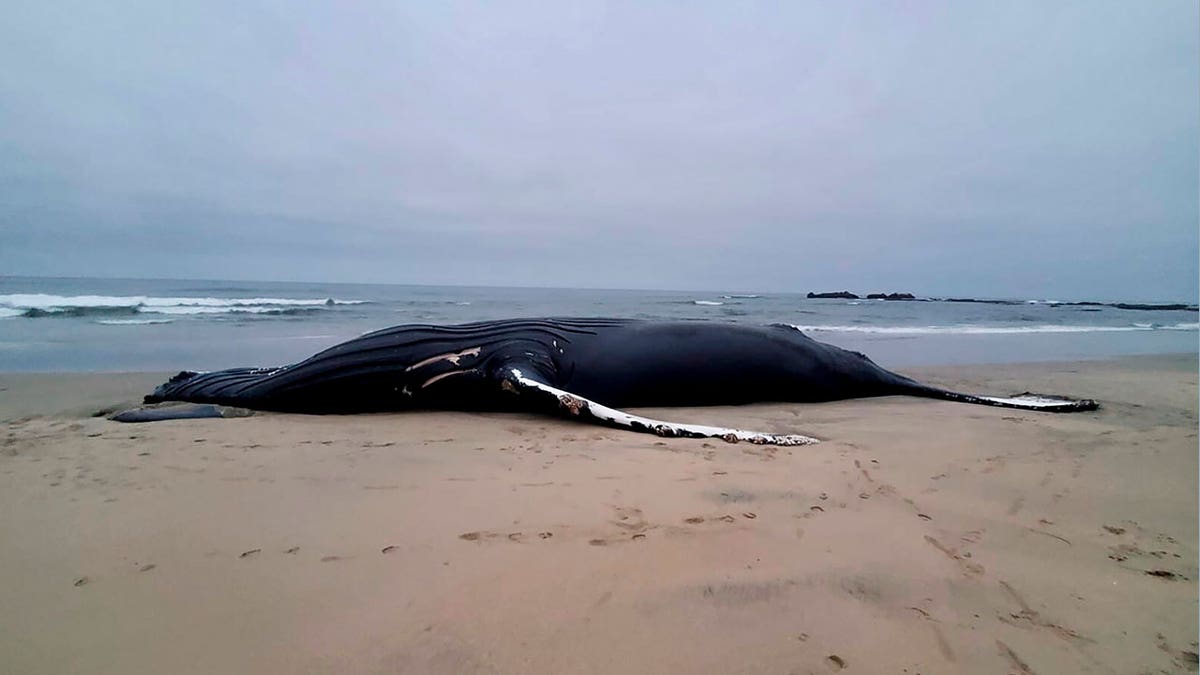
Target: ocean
110, 325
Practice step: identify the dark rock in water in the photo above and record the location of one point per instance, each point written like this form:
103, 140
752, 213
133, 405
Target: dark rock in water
891, 296
982, 302
329, 302
840, 295
1123, 305
1086, 303
985, 302
1168, 307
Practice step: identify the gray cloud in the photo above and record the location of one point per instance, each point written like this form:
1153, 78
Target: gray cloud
1017, 149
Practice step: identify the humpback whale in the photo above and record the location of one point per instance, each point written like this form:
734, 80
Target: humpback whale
582, 368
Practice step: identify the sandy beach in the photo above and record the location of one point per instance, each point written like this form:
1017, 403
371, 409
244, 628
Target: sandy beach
918, 537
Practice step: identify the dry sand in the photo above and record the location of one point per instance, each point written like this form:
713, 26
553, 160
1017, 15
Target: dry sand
920, 536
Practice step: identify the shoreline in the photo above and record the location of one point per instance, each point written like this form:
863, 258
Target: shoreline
123, 325
919, 534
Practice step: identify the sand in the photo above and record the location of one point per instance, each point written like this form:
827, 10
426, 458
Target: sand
919, 537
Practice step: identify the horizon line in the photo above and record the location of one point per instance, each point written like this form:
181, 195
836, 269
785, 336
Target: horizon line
918, 297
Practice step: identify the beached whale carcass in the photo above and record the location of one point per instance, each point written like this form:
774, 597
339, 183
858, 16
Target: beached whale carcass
584, 368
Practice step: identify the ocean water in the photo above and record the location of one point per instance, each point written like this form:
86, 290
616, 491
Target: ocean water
52, 324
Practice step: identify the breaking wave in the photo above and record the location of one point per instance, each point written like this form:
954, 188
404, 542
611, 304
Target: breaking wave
707, 303
132, 322
37, 305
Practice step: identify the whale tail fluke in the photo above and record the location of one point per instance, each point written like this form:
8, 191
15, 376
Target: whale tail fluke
1023, 401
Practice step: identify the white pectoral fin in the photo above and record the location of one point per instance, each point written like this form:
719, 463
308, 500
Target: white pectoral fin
577, 406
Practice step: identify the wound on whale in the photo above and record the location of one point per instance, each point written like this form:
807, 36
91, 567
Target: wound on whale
581, 368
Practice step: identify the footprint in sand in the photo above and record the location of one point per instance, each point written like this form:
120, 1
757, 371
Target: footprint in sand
251, 553
387, 549
628, 518
81, 581
293, 550
1187, 659
1029, 617
516, 537
972, 537
1166, 574
969, 569
1136, 537
147, 567
332, 558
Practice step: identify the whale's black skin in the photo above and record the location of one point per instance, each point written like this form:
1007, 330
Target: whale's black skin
531, 364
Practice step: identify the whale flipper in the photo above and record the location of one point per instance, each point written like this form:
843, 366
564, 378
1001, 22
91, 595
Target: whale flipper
577, 407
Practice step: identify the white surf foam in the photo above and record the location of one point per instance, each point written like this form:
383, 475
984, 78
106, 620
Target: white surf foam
17, 304
45, 301
707, 303
988, 330
131, 322
239, 309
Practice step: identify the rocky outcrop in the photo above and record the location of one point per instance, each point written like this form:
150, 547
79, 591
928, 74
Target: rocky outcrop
1089, 305
1172, 307
984, 302
839, 295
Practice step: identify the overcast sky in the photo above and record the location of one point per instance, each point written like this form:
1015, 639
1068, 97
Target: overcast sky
1030, 149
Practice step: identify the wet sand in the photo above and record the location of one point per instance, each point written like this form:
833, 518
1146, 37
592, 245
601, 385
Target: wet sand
919, 536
